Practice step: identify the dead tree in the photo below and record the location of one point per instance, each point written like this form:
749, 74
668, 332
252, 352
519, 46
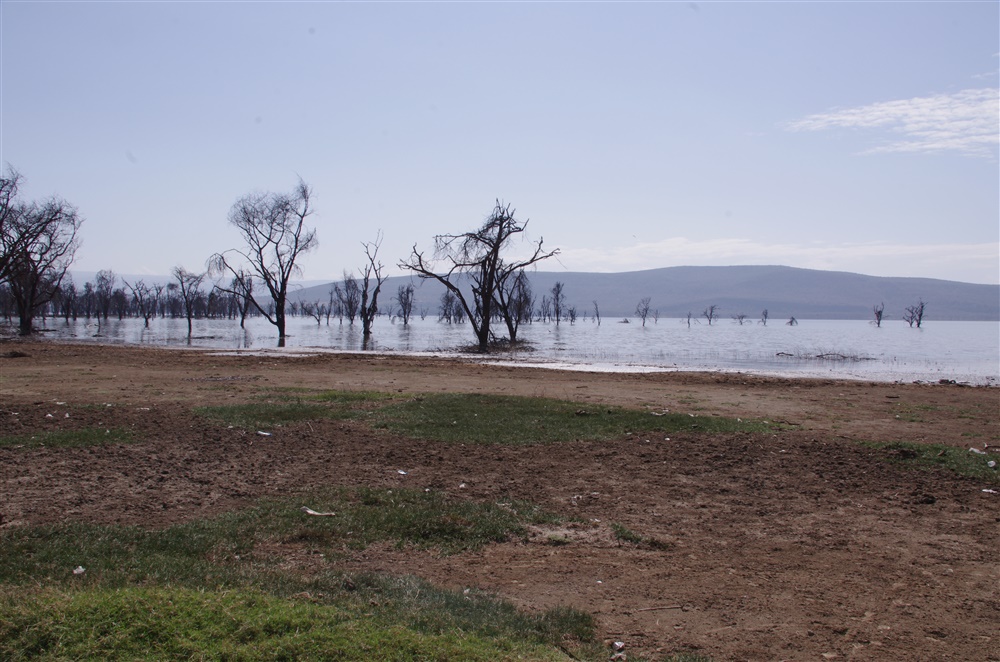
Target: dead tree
558, 301
516, 303
877, 309
404, 299
39, 243
189, 285
597, 313
369, 300
144, 298
740, 318
914, 315
273, 228
711, 314
349, 296
478, 256
763, 317
642, 309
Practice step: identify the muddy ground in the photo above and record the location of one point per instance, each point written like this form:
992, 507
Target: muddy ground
800, 545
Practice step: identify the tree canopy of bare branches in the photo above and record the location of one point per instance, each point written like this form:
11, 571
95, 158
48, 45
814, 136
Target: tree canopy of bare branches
273, 229
478, 256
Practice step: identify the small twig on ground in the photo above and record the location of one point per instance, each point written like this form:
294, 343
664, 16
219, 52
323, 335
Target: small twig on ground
661, 608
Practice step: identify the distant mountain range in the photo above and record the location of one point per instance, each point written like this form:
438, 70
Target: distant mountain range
784, 291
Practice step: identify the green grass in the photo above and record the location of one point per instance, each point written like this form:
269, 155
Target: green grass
938, 456
485, 419
218, 552
624, 534
294, 405
157, 623
147, 594
69, 438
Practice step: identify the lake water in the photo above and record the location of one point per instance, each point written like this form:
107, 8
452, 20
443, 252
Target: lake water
853, 349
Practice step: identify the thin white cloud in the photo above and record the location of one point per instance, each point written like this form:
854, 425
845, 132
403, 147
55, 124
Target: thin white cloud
973, 263
967, 122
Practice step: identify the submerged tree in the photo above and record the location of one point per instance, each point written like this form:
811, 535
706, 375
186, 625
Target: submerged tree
914, 315
558, 301
479, 257
348, 296
189, 285
404, 299
273, 228
878, 309
642, 309
369, 290
711, 314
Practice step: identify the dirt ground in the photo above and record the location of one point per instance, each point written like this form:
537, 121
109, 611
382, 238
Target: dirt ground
801, 545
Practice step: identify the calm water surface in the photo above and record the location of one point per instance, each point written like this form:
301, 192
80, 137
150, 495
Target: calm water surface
853, 349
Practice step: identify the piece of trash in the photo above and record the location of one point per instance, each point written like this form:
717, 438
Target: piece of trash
657, 413
992, 464
977, 451
60, 403
67, 415
599, 581
310, 511
401, 472
79, 570
263, 434
618, 645
989, 491
49, 416
461, 486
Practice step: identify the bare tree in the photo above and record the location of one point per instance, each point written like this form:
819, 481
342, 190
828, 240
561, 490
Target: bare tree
689, 316
597, 313
558, 301
642, 309
914, 315
479, 257
740, 318
878, 309
763, 317
516, 303
404, 298
39, 244
189, 285
711, 314
144, 298
571, 315
369, 300
273, 228
349, 296
792, 321
104, 289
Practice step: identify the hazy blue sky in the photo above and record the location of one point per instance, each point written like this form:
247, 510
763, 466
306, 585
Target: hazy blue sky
854, 136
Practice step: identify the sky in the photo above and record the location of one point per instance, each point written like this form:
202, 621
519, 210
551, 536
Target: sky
848, 136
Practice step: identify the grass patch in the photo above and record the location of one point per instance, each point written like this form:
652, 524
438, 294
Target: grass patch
69, 438
624, 534
218, 552
484, 419
939, 456
293, 405
216, 588
158, 623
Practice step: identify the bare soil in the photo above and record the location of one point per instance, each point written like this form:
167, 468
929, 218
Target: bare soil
800, 545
